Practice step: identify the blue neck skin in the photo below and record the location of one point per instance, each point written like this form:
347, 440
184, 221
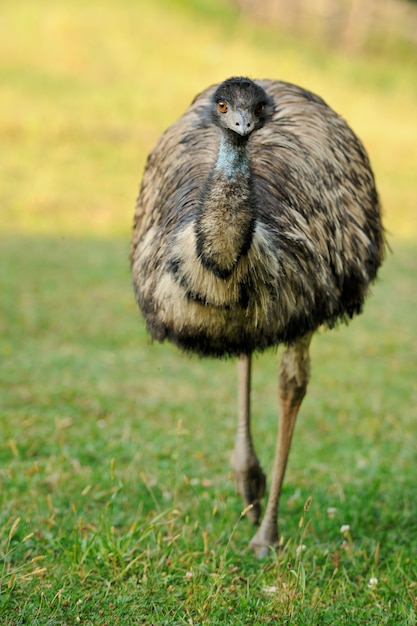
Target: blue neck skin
232, 158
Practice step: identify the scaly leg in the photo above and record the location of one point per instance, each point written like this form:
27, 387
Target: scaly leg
293, 378
249, 477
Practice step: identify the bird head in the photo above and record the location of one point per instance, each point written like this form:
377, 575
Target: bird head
240, 105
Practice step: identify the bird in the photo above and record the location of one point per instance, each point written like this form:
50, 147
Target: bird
257, 223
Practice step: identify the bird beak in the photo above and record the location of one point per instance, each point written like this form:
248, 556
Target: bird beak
242, 123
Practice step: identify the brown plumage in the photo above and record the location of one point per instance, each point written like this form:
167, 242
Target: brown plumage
257, 222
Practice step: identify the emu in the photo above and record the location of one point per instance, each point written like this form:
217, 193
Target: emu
257, 222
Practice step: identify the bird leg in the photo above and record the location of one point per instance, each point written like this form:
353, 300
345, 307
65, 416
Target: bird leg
293, 378
249, 477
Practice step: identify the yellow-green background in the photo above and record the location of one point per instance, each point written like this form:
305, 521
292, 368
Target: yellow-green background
87, 87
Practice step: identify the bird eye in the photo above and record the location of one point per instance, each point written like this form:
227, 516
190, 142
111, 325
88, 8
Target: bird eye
222, 106
259, 109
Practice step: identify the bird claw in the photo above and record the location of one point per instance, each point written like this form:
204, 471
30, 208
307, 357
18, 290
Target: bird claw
260, 551
250, 484
265, 540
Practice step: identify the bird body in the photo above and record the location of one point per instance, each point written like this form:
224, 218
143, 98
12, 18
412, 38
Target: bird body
257, 221
240, 247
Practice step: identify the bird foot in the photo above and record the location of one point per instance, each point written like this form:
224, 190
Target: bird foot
250, 484
264, 541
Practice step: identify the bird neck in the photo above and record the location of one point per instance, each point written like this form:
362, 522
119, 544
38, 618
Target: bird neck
226, 218
232, 159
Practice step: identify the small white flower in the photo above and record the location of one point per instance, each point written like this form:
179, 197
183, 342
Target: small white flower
300, 549
345, 528
373, 582
188, 575
331, 511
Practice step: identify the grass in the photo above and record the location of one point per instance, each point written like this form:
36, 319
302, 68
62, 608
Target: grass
116, 501
117, 506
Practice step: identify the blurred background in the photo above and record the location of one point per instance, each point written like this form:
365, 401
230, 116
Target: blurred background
87, 88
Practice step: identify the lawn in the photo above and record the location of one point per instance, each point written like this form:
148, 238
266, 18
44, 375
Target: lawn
117, 504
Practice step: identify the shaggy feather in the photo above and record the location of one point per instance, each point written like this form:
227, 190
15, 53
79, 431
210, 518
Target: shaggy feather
226, 265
